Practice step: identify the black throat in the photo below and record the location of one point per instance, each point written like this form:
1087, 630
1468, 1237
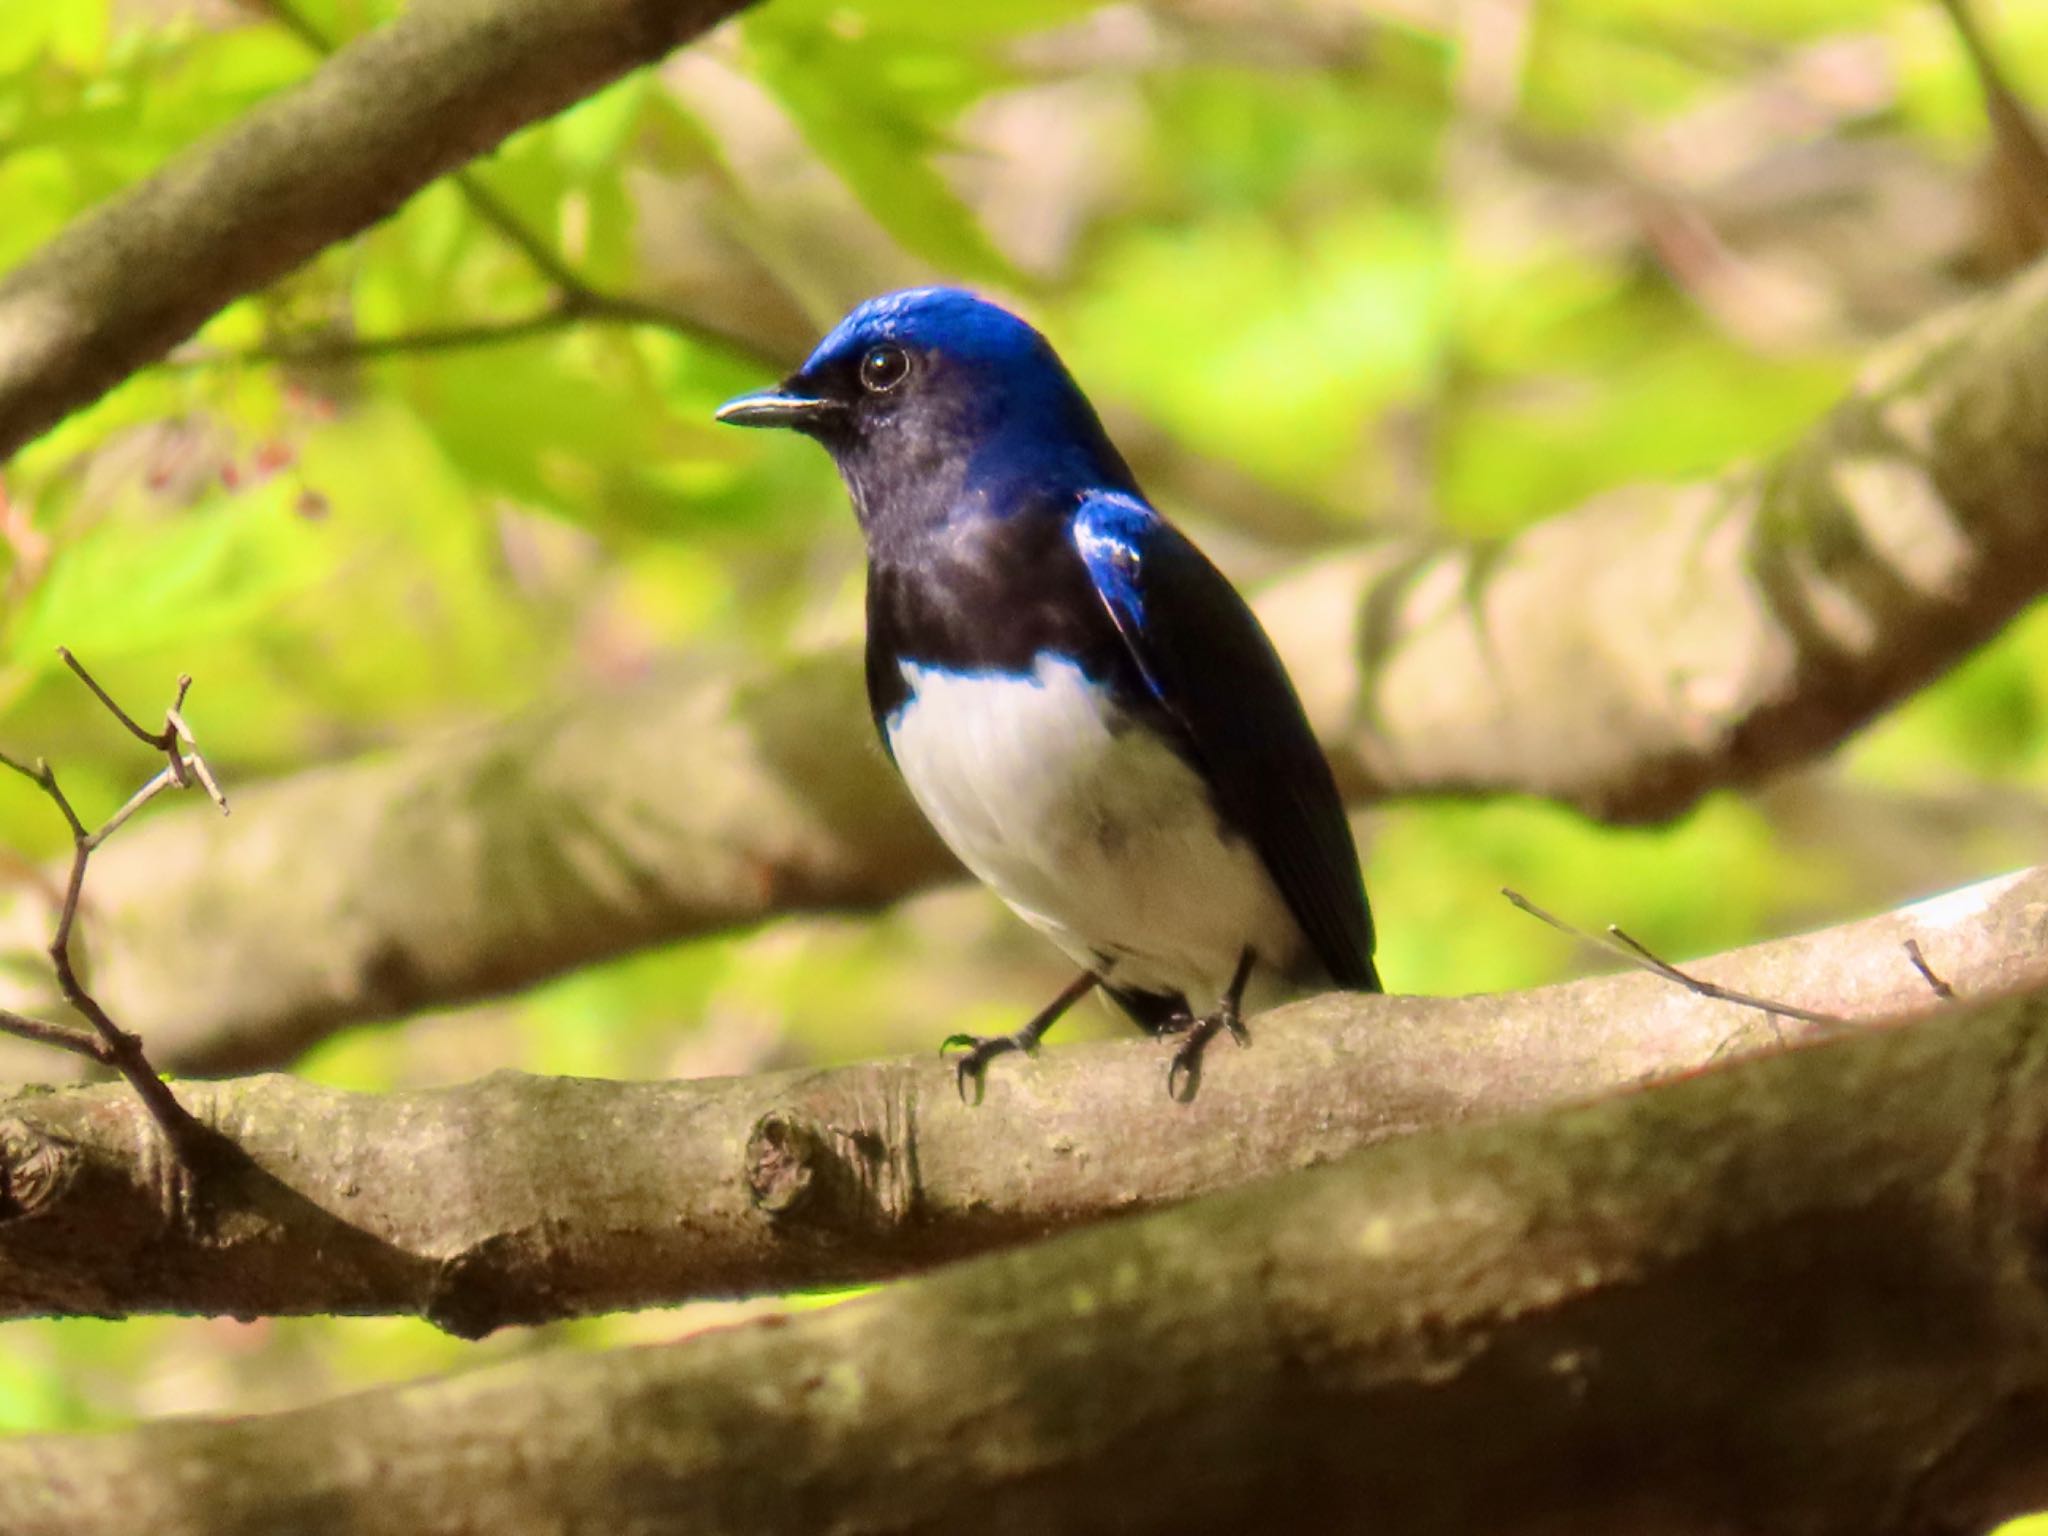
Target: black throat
988, 594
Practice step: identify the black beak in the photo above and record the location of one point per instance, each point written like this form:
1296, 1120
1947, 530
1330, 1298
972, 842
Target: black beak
776, 407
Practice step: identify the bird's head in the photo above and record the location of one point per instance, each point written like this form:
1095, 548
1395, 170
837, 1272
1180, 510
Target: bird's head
932, 401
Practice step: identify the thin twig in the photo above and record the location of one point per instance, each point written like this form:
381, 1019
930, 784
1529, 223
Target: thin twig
579, 307
78, 1042
331, 348
107, 1043
157, 739
1941, 988
1615, 941
168, 778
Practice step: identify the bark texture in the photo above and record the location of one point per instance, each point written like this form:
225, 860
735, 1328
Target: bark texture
1799, 1295
516, 1199
440, 85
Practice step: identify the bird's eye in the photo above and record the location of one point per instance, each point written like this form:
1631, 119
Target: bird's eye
883, 368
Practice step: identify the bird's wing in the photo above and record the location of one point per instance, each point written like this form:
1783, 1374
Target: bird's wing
1210, 665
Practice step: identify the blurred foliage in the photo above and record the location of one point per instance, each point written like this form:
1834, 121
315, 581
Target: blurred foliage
1404, 264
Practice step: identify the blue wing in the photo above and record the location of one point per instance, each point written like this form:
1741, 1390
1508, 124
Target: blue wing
1210, 665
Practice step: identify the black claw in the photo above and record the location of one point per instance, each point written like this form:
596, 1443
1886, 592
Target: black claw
979, 1051
1184, 1072
969, 1070
982, 1049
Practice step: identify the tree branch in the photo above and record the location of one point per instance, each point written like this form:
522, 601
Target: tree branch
379, 120
2019, 157
1802, 1294
519, 1199
1659, 642
105, 1043
578, 306
1625, 657
343, 347
378, 887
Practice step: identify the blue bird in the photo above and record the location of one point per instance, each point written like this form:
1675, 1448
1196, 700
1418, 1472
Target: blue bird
1080, 703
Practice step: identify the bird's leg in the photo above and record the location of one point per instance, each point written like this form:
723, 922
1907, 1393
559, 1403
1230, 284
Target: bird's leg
980, 1050
1184, 1073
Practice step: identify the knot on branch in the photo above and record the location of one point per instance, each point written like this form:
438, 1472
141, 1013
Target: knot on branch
491, 1284
830, 1180
35, 1169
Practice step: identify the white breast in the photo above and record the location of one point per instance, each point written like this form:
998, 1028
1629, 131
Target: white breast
1093, 830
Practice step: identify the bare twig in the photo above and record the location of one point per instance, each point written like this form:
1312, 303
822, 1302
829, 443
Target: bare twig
157, 739
106, 1042
571, 307
1618, 942
342, 348
1940, 988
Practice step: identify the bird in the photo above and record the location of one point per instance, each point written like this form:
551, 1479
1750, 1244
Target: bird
1081, 704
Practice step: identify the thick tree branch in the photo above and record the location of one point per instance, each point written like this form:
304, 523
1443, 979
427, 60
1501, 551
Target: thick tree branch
379, 120
1800, 1295
1625, 657
520, 1198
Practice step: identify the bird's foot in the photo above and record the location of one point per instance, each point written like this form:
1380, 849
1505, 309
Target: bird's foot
1184, 1072
977, 1051
982, 1049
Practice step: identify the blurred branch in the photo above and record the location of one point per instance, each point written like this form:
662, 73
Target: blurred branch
2020, 156
327, 346
1625, 658
376, 122
517, 1199
106, 1043
581, 306
1803, 1294
1659, 642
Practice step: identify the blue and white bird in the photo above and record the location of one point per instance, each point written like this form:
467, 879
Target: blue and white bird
1080, 703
